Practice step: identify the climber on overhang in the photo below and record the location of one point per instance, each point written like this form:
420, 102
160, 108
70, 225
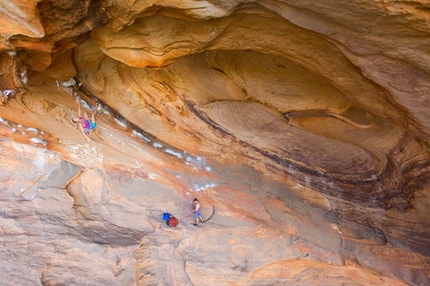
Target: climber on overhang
196, 211
84, 123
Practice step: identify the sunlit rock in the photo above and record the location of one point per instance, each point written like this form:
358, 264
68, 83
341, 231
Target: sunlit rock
302, 128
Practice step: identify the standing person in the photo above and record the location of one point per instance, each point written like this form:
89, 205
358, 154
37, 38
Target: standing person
85, 124
196, 211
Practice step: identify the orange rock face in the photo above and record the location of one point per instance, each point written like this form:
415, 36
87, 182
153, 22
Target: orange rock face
304, 126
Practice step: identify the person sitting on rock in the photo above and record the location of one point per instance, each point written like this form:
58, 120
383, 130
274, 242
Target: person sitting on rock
85, 124
196, 211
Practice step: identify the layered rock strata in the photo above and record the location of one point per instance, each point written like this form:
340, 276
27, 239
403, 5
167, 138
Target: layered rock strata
304, 124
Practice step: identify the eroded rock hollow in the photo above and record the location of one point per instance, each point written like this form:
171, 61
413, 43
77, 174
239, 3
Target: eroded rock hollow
305, 126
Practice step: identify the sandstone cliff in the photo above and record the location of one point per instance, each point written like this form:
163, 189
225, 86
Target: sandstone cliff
306, 125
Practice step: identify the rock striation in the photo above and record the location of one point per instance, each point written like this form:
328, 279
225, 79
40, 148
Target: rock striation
305, 125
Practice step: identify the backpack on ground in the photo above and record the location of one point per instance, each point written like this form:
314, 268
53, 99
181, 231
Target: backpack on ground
172, 221
165, 216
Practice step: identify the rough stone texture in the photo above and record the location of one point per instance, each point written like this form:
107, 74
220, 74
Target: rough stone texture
305, 124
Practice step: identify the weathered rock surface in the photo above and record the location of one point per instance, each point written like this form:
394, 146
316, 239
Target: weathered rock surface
304, 124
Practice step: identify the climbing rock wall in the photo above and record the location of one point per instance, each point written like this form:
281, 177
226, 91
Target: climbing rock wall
304, 124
